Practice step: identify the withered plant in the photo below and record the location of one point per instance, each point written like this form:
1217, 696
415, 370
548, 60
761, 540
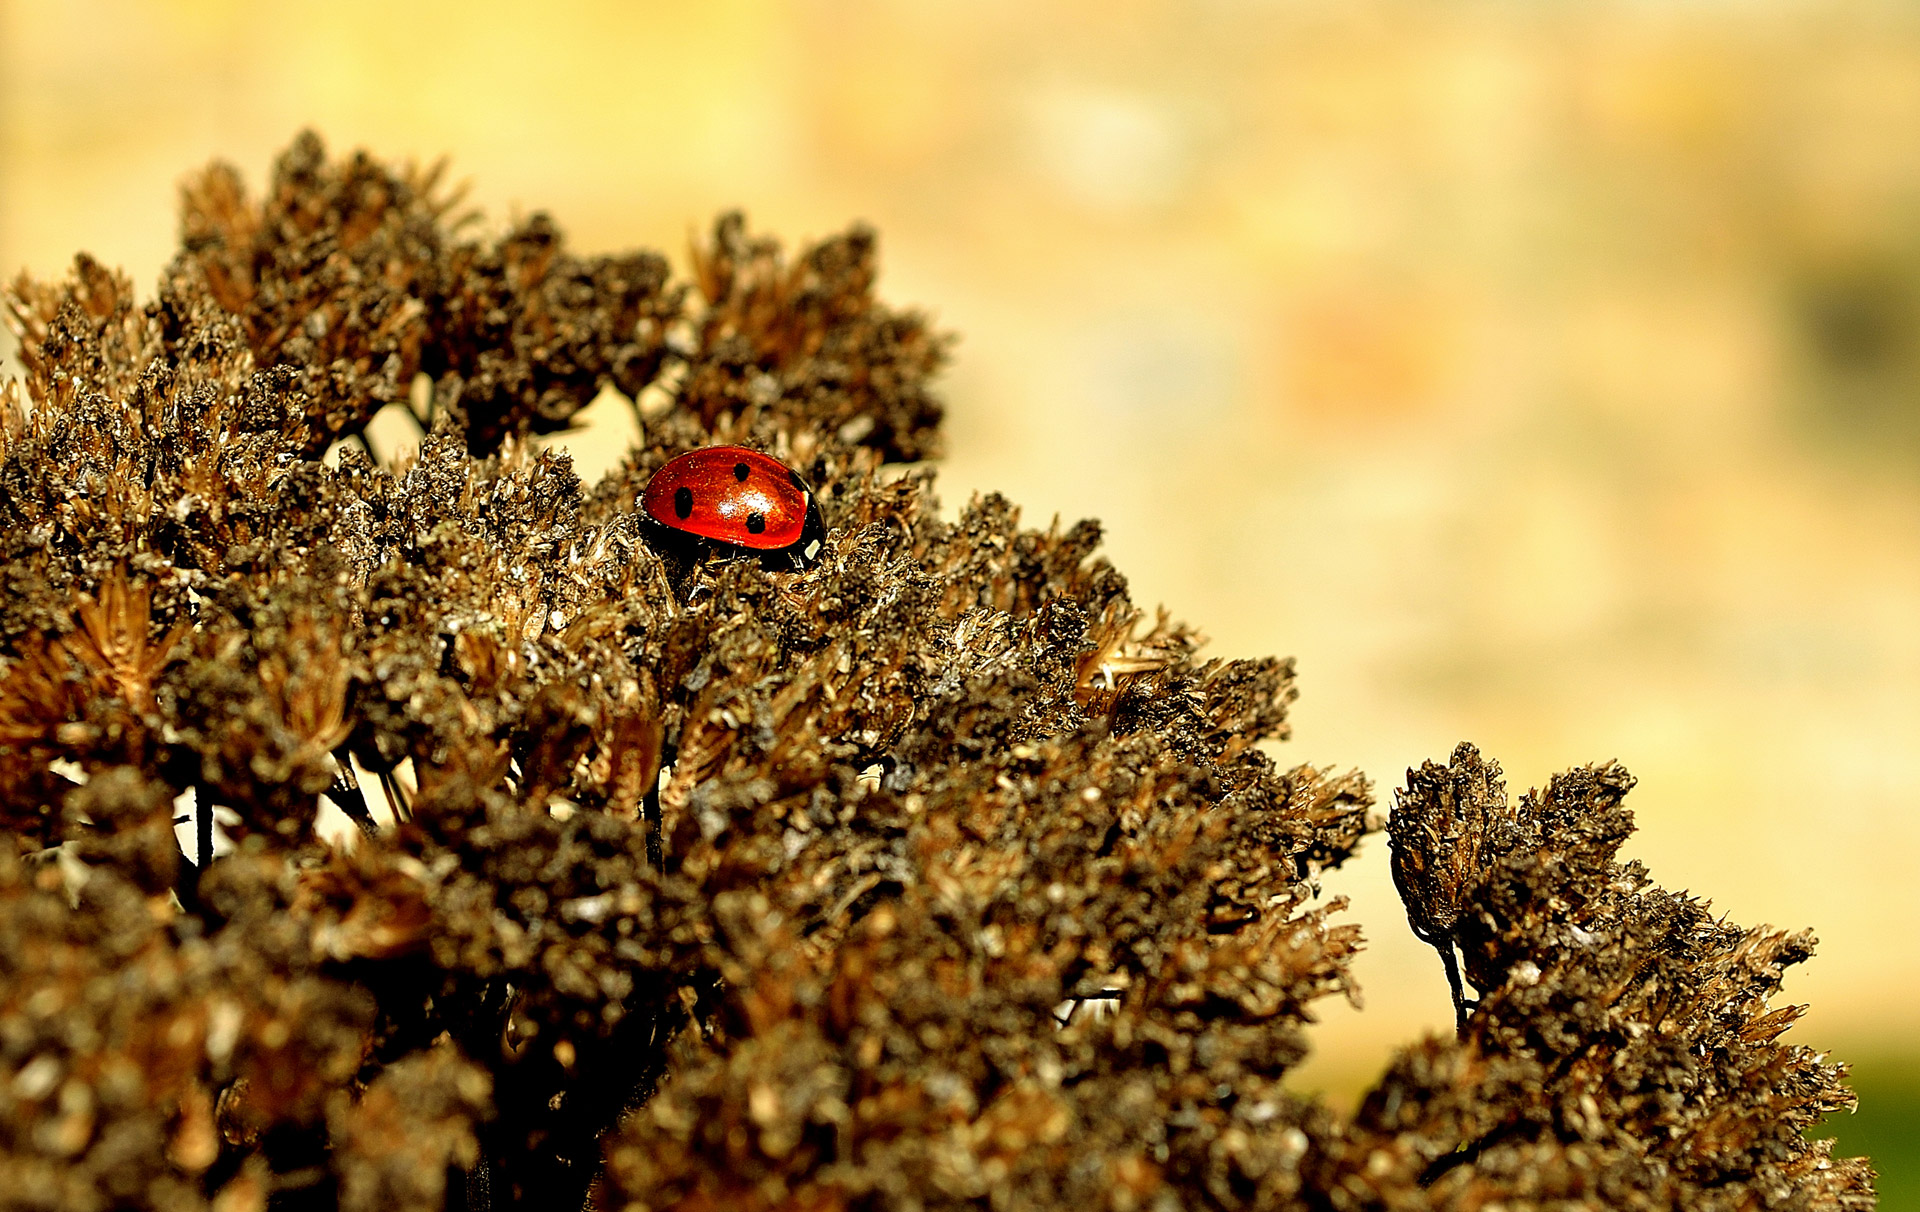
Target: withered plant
935, 876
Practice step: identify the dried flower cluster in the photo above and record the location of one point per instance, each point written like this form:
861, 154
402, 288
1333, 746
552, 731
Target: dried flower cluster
935, 876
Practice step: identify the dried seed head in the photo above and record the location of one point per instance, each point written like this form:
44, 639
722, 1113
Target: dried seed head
931, 874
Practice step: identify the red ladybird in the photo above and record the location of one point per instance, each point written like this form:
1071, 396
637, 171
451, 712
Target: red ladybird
737, 498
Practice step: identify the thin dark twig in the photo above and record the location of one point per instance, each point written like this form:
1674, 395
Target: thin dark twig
350, 795
396, 797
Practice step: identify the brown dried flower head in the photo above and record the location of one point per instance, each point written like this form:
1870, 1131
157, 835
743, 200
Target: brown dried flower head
937, 875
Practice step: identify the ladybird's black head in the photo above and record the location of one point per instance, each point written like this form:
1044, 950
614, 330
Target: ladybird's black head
805, 551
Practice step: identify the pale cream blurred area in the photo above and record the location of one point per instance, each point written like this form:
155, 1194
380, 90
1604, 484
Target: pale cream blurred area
1541, 375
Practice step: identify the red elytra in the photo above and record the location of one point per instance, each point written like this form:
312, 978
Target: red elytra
740, 498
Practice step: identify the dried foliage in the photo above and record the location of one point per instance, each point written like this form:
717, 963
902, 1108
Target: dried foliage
935, 876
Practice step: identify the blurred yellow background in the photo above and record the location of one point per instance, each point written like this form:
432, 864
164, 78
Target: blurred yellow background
1541, 375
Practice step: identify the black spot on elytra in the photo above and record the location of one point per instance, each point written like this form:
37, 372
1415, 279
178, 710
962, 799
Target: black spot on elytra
683, 502
756, 522
740, 472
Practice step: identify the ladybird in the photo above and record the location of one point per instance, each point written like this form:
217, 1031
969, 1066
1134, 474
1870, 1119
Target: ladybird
735, 498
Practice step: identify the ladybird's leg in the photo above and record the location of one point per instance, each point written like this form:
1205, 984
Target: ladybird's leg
784, 559
805, 551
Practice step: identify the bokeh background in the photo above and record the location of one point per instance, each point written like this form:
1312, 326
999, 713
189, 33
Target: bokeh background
1545, 375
